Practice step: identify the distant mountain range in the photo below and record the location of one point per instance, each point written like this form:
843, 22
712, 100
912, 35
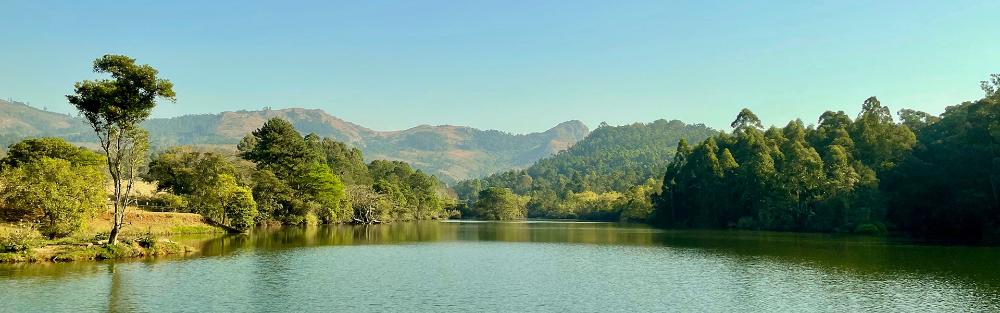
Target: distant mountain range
451, 152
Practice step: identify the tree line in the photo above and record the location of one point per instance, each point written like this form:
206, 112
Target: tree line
925, 175
276, 176
936, 177
293, 179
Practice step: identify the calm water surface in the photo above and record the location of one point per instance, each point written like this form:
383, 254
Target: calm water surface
528, 266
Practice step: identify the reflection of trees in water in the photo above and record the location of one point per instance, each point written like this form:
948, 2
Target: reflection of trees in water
51, 270
117, 301
585, 233
858, 256
870, 256
292, 237
743, 252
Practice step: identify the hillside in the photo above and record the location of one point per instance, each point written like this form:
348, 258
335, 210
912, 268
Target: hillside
610, 159
451, 152
18, 120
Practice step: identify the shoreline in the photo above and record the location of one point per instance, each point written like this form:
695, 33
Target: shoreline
86, 251
142, 236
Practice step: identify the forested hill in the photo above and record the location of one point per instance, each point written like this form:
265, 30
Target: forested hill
450, 152
610, 159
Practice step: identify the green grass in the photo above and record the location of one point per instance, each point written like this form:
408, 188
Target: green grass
121, 250
78, 249
14, 257
194, 229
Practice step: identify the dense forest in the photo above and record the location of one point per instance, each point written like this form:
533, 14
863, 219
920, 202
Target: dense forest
930, 176
916, 173
608, 175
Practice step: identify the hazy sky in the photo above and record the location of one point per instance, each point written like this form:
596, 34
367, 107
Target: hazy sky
518, 66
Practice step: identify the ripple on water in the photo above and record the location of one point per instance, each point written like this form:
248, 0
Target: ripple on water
592, 268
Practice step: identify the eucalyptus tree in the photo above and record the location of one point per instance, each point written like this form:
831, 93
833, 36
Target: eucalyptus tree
801, 173
114, 108
880, 142
950, 185
917, 120
670, 191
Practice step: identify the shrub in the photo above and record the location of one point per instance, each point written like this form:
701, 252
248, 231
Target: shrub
164, 248
870, 229
746, 222
102, 236
52, 193
18, 239
88, 253
146, 240
118, 251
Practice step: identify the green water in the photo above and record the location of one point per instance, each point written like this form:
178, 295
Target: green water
519, 267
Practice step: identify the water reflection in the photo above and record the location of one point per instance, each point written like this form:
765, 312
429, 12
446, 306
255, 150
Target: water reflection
418, 232
269, 263
116, 302
846, 253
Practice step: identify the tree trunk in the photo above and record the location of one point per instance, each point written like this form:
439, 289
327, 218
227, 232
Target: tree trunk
118, 212
113, 237
116, 177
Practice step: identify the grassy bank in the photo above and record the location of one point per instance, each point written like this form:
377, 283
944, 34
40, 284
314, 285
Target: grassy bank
140, 236
64, 251
139, 222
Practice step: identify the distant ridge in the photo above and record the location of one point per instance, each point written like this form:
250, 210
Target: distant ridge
451, 152
611, 158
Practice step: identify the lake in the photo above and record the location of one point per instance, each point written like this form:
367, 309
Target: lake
462, 266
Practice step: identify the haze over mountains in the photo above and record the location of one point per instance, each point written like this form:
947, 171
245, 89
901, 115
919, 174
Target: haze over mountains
610, 159
451, 152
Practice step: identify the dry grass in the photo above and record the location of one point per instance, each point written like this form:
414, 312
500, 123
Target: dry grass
139, 188
157, 223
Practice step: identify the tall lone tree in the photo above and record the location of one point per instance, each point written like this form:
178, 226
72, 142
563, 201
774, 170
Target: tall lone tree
115, 107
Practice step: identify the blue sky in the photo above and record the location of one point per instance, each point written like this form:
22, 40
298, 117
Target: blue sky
518, 66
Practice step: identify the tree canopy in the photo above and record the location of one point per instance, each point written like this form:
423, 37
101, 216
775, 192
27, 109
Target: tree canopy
499, 204
929, 176
52, 193
949, 186
35, 149
295, 179
815, 178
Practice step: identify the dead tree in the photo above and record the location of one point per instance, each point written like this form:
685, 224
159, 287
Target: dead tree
365, 202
